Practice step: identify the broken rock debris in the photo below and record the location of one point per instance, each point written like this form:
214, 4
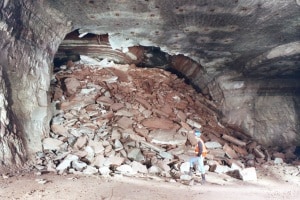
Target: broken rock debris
129, 120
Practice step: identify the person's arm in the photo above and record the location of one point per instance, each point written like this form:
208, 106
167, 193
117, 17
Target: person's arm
200, 148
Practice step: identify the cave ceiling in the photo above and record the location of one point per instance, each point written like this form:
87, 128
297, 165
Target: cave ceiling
252, 37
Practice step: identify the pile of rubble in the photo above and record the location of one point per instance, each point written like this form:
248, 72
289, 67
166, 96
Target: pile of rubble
136, 121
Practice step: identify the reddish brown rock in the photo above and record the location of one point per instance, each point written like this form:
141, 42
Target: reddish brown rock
58, 93
125, 123
117, 106
143, 102
122, 76
159, 112
182, 105
142, 132
92, 107
108, 115
158, 123
234, 140
166, 109
80, 142
181, 115
59, 129
149, 115
186, 126
72, 85
230, 152
167, 137
240, 150
107, 101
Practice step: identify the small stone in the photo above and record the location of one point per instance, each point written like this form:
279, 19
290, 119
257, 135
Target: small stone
221, 169
117, 106
107, 101
97, 146
158, 123
66, 163
125, 122
115, 160
185, 167
248, 174
41, 181
51, 144
143, 102
167, 137
87, 91
185, 177
234, 166
163, 165
124, 112
139, 167
4, 176
39, 167
118, 145
230, 152
125, 169
166, 155
90, 153
115, 134
278, 161
104, 171
99, 161
81, 142
135, 154
59, 129
217, 153
194, 124
78, 165
213, 145
181, 115
72, 84
154, 170
89, 170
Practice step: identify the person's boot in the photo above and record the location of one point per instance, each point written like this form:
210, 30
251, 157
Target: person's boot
203, 178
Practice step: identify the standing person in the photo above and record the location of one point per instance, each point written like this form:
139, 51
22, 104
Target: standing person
201, 152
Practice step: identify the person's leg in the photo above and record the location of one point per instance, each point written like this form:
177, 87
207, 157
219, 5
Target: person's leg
192, 161
201, 168
201, 165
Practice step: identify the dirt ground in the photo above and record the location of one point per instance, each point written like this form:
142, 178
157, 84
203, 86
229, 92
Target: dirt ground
273, 183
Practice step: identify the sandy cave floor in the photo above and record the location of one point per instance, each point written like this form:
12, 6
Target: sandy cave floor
272, 184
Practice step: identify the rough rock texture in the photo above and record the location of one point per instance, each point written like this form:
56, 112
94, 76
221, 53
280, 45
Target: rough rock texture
26, 54
127, 128
247, 53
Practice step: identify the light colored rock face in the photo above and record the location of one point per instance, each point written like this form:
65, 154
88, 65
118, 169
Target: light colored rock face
266, 111
25, 62
262, 41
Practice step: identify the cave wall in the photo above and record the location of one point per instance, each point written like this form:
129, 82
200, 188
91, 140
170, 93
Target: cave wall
265, 109
242, 47
28, 42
